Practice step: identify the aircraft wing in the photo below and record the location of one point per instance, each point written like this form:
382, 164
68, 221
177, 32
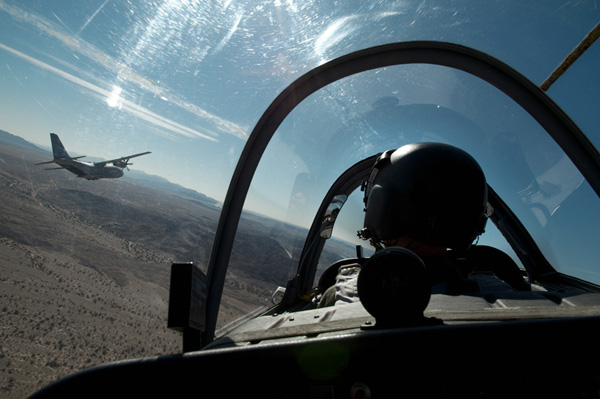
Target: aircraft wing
63, 159
121, 161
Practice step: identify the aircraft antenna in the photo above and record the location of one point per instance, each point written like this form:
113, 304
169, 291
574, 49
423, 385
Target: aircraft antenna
587, 41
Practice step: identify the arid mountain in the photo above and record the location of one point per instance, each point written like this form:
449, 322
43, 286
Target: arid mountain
84, 266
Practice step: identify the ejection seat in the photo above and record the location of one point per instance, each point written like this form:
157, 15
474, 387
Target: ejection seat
489, 268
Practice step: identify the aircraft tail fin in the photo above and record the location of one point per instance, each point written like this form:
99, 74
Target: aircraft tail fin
58, 148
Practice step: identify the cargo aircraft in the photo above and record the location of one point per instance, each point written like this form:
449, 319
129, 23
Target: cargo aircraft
87, 170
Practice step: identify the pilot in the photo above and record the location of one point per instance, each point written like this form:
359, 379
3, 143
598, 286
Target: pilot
430, 198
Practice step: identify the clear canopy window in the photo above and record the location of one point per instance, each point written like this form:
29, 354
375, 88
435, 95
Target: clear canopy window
374, 111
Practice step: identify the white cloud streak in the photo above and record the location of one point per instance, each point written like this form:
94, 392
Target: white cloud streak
124, 72
126, 105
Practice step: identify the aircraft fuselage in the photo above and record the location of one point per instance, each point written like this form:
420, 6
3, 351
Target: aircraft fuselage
89, 170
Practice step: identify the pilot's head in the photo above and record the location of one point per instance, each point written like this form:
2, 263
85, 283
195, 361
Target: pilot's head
432, 193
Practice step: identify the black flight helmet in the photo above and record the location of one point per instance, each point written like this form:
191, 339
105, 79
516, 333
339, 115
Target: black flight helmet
434, 193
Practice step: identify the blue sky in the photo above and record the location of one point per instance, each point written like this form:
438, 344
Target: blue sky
190, 77
102, 102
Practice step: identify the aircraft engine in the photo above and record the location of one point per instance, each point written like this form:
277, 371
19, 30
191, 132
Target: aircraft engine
121, 164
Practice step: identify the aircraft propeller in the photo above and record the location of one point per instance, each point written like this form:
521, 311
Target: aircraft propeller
122, 164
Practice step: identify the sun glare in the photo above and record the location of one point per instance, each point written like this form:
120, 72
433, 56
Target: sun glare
114, 98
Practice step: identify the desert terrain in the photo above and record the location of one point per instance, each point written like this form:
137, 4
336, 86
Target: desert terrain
84, 266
